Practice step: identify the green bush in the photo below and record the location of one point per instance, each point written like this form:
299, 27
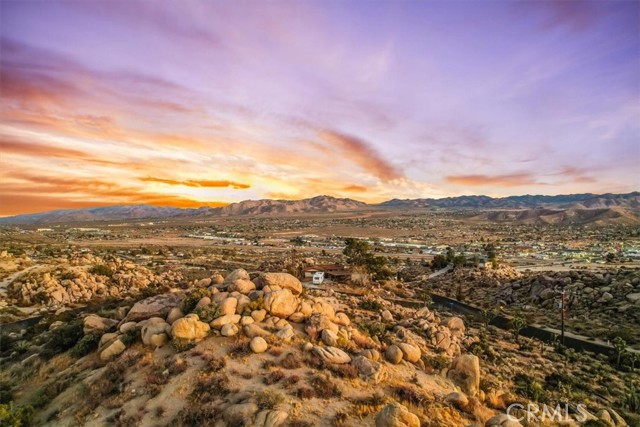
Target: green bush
191, 300
101, 270
63, 338
85, 345
130, 337
208, 312
6, 395
15, 416
370, 305
531, 389
181, 344
372, 329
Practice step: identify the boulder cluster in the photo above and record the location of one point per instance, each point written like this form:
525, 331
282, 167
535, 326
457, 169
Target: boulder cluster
58, 287
271, 309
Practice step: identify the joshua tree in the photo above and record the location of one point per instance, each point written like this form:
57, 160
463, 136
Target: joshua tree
620, 348
518, 323
489, 315
632, 359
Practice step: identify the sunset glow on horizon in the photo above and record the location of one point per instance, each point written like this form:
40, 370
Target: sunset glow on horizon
205, 103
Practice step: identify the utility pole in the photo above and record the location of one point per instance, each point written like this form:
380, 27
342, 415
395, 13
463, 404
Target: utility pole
562, 312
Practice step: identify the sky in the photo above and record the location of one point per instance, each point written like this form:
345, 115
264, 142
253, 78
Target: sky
204, 103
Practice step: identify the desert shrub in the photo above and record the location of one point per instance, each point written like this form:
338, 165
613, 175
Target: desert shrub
63, 339
313, 361
191, 299
6, 395
410, 395
300, 423
274, 376
530, 388
209, 385
483, 350
291, 380
324, 387
339, 419
40, 399
255, 305
437, 363
344, 370
208, 312
15, 416
67, 275
305, 393
101, 270
240, 348
130, 337
631, 400
276, 351
200, 415
291, 361
369, 405
370, 305
180, 344
85, 345
177, 366
269, 398
372, 328
21, 346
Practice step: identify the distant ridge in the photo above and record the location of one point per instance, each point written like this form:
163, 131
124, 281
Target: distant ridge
580, 208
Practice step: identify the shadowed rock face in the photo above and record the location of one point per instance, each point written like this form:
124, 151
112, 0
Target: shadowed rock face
156, 306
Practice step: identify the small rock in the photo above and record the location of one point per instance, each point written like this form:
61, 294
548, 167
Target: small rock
258, 345
396, 415
410, 352
113, 350
393, 354
189, 328
331, 354
330, 338
229, 330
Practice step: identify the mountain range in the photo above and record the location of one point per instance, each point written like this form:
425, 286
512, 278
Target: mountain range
572, 208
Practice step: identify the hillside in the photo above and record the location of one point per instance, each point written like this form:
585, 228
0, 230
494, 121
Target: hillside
571, 216
574, 208
578, 201
315, 204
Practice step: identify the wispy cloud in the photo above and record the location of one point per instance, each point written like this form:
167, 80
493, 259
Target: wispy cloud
508, 180
360, 152
198, 183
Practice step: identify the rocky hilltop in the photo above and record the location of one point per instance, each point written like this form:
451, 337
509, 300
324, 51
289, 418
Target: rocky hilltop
261, 350
315, 204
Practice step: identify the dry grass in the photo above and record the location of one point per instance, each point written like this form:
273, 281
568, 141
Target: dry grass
274, 376
324, 387
291, 361
269, 398
240, 348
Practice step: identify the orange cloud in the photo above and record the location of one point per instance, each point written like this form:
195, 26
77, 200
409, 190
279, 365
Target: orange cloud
359, 151
510, 180
35, 149
46, 192
19, 204
198, 183
355, 188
